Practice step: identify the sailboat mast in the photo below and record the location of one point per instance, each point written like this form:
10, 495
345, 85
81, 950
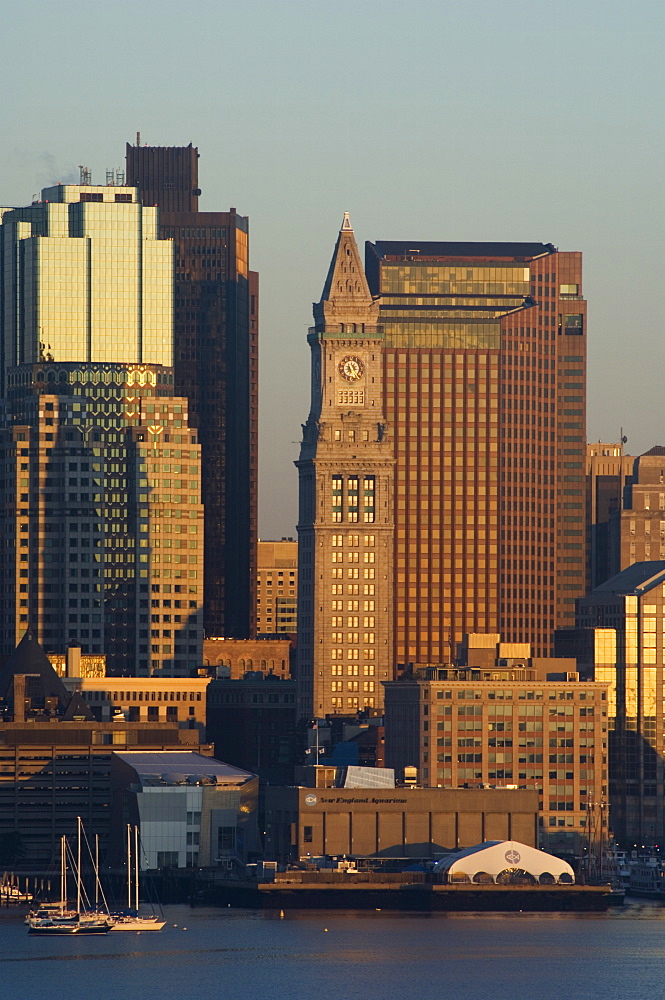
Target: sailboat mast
96, 871
78, 867
63, 873
136, 865
129, 867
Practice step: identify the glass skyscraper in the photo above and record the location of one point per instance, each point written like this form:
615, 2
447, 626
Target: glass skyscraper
101, 497
85, 277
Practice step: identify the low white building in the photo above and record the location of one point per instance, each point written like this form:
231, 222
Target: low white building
192, 810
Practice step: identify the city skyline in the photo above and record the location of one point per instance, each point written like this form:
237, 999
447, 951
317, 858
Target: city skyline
522, 122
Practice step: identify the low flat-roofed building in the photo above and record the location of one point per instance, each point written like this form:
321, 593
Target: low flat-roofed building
193, 810
146, 699
386, 823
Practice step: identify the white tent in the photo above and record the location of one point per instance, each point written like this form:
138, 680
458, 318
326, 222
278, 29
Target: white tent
505, 862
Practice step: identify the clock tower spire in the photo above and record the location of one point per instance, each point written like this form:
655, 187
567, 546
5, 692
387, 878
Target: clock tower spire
346, 297
345, 527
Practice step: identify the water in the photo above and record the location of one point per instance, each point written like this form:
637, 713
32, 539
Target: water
233, 954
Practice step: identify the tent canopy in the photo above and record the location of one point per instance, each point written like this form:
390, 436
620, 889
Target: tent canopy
495, 857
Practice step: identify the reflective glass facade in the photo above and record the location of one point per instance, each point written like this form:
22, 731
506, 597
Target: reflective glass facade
101, 512
621, 637
86, 277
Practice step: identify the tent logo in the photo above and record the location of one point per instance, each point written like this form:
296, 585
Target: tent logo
512, 857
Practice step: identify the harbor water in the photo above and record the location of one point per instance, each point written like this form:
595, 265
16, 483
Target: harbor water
258, 955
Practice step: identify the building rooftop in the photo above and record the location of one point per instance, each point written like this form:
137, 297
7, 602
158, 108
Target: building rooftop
403, 248
178, 767
636, 579
30, 658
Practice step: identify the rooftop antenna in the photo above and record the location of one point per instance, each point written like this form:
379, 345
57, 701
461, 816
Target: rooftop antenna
138, 138
85, 175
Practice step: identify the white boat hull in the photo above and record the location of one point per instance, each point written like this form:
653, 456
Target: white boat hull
138, 924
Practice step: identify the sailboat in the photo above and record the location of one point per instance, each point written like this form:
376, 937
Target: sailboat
130, 920
56, 919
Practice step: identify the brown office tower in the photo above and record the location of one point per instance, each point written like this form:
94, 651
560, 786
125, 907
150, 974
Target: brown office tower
484, 362
215, 363
608, 472
345, 526
637, 529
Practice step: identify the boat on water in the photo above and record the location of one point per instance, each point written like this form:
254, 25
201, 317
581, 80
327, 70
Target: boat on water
130, 919
10, 893
647, 877
55, 925
57, 918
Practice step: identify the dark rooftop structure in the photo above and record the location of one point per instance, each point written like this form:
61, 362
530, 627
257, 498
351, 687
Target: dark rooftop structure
491, 251
635, 579
44, 684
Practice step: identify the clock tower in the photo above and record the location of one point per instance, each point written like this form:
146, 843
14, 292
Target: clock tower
345, 526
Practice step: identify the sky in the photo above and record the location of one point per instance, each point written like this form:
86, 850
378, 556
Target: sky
519, 120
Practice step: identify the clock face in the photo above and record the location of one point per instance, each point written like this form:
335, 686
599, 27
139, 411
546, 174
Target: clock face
351, 368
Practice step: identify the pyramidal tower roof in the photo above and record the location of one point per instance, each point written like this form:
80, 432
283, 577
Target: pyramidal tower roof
30, 658
346, 300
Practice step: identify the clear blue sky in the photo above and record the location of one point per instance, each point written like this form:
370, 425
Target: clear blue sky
455, 119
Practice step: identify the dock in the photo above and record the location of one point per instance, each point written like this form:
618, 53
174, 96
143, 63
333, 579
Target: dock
407, 891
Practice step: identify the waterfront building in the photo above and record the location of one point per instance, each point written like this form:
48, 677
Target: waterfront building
56, 758
507, 725
216, 368
277, 587
193, 811
345, 525
608, 472
101, 514
620, 639
384, 823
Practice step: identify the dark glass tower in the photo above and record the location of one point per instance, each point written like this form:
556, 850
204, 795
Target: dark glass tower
216, 368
